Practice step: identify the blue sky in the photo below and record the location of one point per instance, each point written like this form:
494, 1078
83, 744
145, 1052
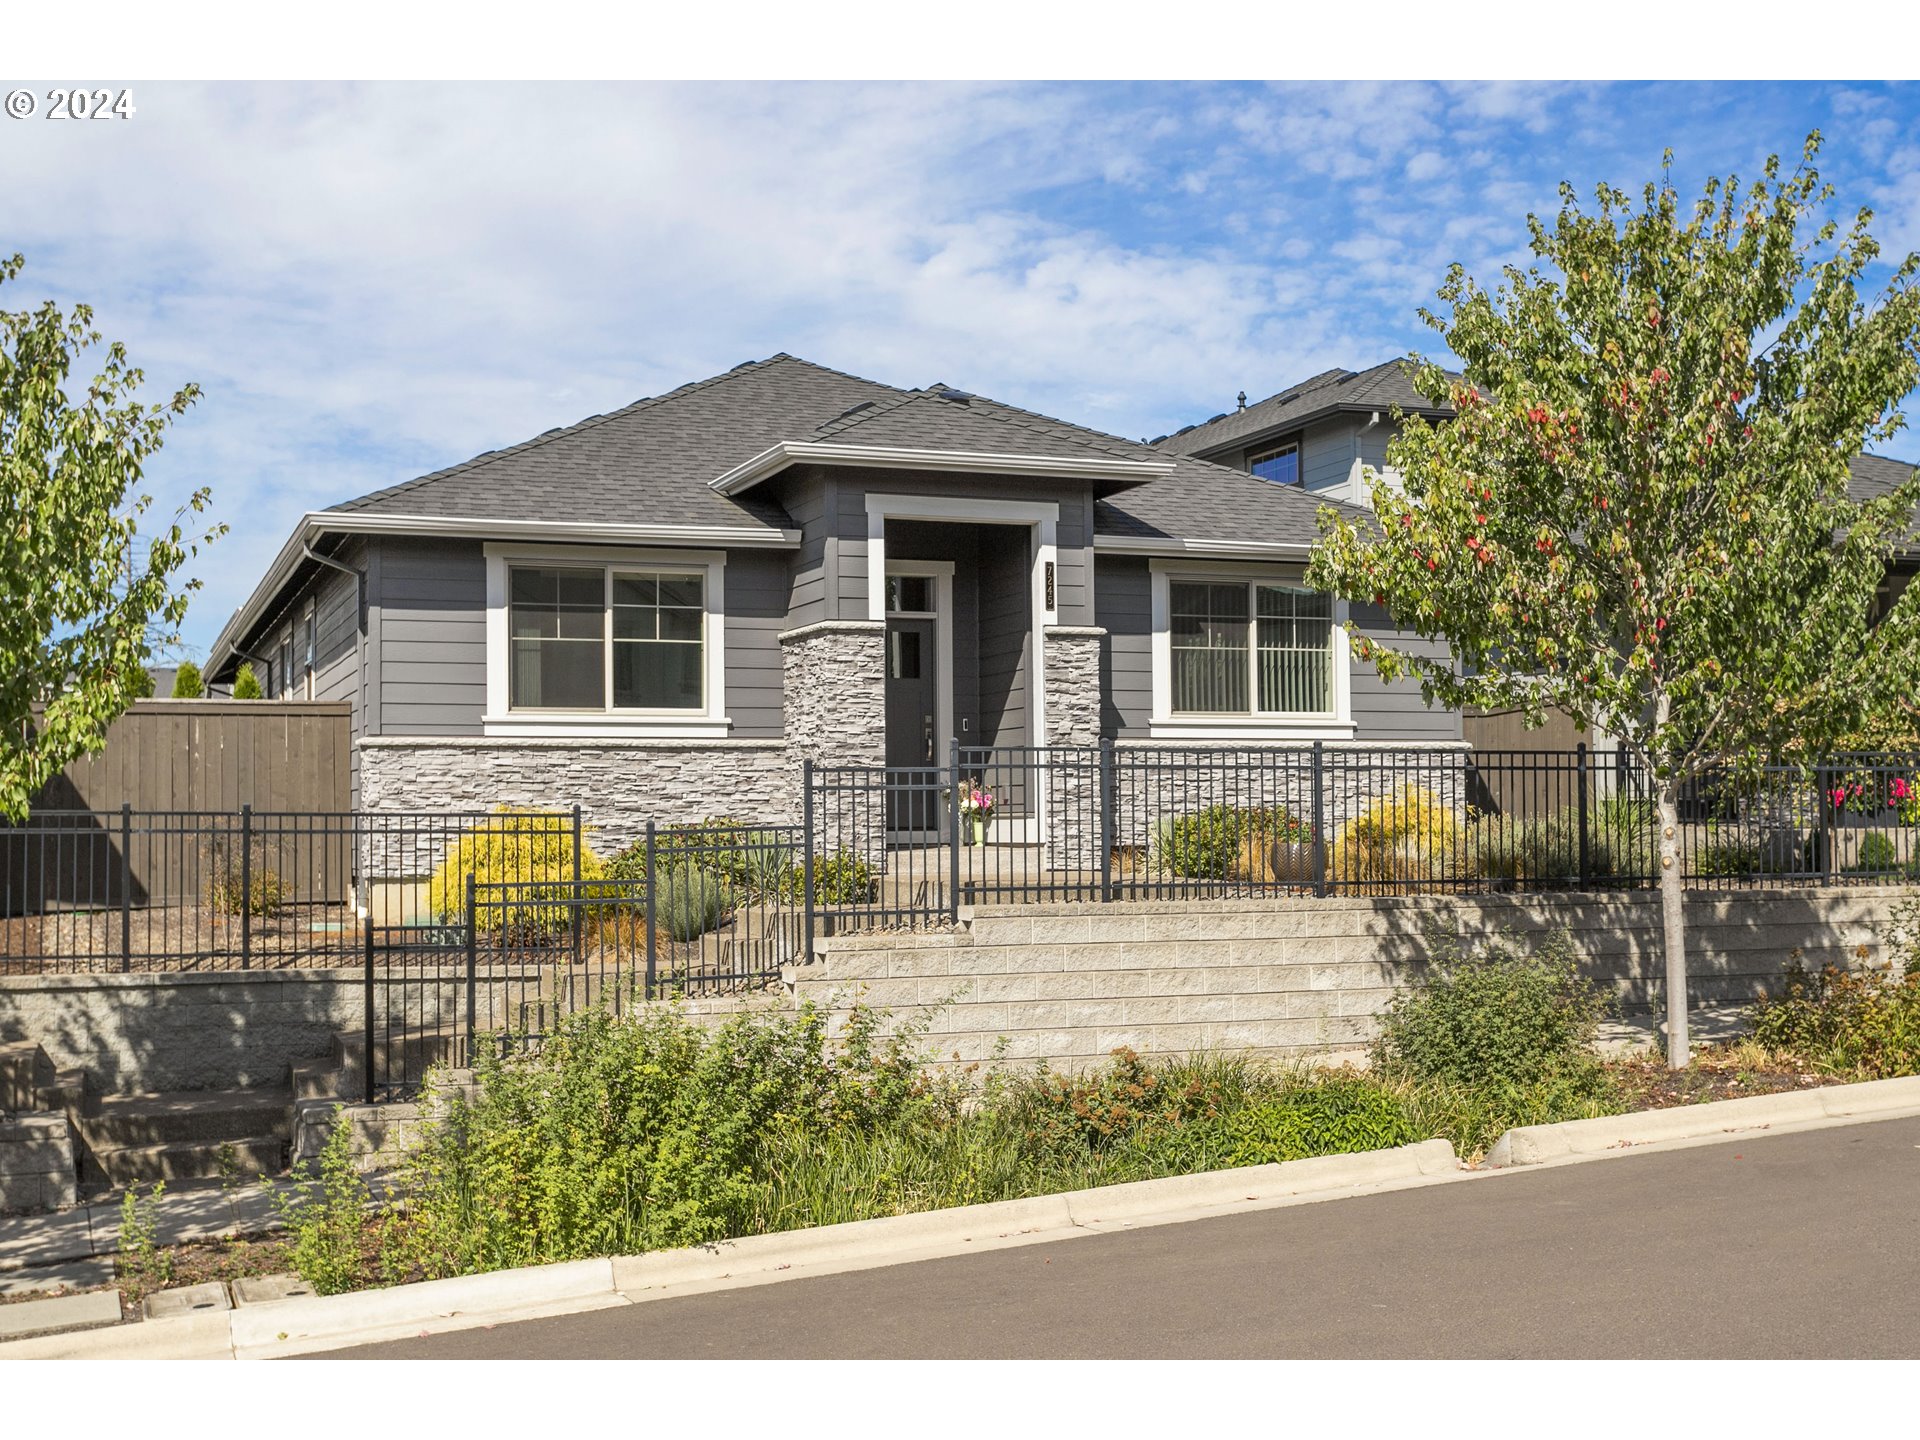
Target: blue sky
371, 281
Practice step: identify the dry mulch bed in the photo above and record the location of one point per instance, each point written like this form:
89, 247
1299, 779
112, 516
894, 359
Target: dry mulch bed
1724, 1073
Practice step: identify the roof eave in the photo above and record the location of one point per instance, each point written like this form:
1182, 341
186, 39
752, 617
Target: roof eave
776, 458
1313, 417
316, 523
1179, 545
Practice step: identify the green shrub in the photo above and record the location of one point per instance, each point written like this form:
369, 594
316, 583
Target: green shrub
841, 878
1863, 1026
1500, 1018
1877, 854
1410, 835
1620, 842
690, 901
246, 684
523, 846
749, 861
326, 1216
1212, 844
260, 893
187, 682
1728, 856
1340, 1115
637, 1132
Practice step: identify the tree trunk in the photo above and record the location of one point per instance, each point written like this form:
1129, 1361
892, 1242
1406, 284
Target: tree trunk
1673, 925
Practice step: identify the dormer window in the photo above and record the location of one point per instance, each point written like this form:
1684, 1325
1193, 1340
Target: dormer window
1281, 466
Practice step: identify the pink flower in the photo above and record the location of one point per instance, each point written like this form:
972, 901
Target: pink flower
1900, 788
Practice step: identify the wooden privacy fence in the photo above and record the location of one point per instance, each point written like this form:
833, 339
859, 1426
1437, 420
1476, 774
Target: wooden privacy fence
215, 755
181, 758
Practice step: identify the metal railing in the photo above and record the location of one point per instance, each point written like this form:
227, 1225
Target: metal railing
1160, 822
689, 910
85, 892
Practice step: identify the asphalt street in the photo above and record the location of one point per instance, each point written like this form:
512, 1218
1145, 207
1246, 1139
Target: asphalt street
1788, 1246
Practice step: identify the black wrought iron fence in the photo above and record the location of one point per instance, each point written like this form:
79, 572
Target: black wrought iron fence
1130, 822
84, 892
689, 911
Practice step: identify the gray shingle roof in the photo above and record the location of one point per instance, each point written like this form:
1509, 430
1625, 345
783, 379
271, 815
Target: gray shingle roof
1385, 387
653, 460
1876, 475
650, 461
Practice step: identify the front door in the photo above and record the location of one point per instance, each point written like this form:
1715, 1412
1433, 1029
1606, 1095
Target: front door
913, 797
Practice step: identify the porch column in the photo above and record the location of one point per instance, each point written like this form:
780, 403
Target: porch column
1070, 662
834, 684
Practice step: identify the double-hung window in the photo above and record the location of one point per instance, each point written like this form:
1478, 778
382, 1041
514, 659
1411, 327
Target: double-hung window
607, 638
1249, 648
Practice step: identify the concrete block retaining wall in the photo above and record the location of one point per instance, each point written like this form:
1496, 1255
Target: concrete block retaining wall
1069, 983
227, 1030
37, 1170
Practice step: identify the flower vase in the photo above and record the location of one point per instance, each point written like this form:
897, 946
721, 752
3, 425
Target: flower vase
979, 830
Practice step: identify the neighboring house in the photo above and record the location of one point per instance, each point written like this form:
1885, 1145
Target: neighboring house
1322, 433
1318, 434
665, 609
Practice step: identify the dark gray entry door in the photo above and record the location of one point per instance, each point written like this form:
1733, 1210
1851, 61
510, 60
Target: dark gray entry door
913, 798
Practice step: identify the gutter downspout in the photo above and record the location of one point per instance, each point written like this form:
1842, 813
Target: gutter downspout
359, 634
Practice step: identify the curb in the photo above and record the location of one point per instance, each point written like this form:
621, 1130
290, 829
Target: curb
1573, 1139
305, 1324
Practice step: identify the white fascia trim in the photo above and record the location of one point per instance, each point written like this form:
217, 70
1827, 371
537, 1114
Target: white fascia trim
473, 527
1226, 549
1163, 724
501, 719
901, 457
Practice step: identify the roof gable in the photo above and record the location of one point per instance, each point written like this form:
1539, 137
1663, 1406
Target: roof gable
1387, 386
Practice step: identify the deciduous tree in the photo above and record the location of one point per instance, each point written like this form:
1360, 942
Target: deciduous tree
79, 603
1640, 514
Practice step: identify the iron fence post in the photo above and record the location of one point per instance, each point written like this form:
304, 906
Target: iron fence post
806, 857
1105, 800
246, 887
473, 962
1580, 779
1320, 818
574, 908
1829, 823
953, 830
366, 929
653, 969
126, 886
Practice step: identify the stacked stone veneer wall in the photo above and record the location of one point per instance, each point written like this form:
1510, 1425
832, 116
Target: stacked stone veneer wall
1069, 983
1072, 680
619, 784
136, 1033
835, 698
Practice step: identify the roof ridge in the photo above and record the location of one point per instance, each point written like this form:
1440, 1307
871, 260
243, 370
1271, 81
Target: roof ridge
594, 422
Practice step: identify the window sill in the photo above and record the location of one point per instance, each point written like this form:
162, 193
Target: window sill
661, 727
1170, 727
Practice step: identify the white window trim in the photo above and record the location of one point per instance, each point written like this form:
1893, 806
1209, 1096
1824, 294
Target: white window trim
1163, 724
501, 719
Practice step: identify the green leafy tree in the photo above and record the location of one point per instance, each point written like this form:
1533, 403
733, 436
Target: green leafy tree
79, 605
187, 684
1639, 515
142, 686
246, 684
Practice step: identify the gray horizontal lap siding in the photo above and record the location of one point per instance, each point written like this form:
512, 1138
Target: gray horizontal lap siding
1123, 607
1073, 593
1396, 711
429, 647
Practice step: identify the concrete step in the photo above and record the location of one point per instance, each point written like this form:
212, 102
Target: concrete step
193, 1115
181, 1160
